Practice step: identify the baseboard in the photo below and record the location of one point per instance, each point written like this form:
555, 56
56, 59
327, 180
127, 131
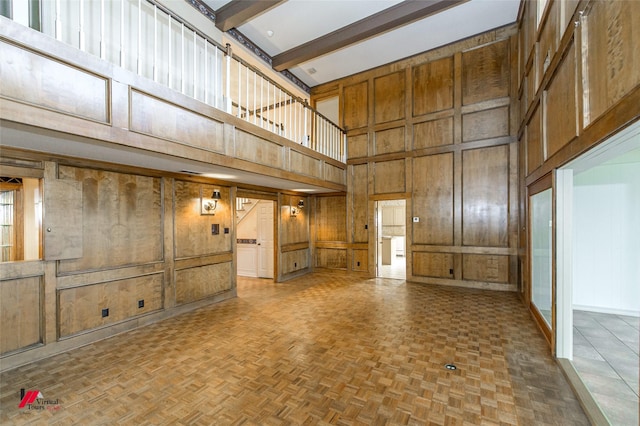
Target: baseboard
610, 311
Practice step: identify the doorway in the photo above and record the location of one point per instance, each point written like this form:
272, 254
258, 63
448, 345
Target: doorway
598, 277
255, 237
391, 239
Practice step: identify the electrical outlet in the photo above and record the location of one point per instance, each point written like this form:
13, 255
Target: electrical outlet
366, 227
358, 263
105, 312
295, 264
226, 230
141, 303
451, 271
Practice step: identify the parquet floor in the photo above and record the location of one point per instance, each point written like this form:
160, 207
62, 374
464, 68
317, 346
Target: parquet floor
329, 348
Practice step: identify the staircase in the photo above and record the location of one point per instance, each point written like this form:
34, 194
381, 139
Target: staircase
241, 210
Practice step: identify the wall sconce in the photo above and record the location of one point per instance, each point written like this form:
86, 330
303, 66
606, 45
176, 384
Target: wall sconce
296, 210
209, 205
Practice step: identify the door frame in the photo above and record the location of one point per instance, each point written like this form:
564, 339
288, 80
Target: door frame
542, 184
273, 197
377, 233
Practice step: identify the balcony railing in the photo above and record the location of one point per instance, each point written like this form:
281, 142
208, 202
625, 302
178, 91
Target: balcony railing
148, 39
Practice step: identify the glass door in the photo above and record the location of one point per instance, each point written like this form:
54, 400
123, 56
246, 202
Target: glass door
541, 257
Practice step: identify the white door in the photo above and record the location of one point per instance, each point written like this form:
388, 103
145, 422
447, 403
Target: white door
265, 239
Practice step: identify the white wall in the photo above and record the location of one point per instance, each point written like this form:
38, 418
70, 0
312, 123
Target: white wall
248, 227
606, 246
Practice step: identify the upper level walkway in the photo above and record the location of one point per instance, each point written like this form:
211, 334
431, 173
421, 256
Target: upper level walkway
225, 120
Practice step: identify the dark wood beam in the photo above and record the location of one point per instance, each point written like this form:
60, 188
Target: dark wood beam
396, 16
237, 12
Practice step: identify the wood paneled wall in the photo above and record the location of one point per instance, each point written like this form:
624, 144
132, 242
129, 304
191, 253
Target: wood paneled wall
20, 313
330, 231
295, 251
438, 130
578, 79
147, 252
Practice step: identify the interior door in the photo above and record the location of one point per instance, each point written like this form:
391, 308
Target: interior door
265, 239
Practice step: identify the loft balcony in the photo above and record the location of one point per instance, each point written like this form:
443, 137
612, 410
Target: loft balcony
71, 86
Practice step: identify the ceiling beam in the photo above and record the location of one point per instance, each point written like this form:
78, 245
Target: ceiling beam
237, 12
396, 16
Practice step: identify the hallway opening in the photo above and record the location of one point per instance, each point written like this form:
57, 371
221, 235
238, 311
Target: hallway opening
391, 239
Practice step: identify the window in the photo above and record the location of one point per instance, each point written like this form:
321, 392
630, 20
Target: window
20, 219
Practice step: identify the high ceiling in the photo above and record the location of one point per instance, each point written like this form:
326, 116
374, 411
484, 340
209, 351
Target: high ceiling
359, 35
323, 40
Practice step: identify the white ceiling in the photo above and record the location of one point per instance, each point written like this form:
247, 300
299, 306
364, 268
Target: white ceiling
295, 22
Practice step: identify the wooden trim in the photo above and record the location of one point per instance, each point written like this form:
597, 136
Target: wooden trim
285, 248
542, 324
332, 244
256, 195
390, 196
540, 185
393, 17
14, 171
501, 251
211, 259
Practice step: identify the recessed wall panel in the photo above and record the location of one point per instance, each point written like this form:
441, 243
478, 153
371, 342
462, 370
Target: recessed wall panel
433, 199
485, 196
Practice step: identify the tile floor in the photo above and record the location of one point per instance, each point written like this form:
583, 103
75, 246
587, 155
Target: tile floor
322, 349
605, 354
397, 270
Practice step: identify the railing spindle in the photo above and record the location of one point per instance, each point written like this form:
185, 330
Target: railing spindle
139, 37
246, 79
239, 87
81, 26
195, 65
255, 99
304, 127
122, 51
261, 105
103, 53
155, 43
215, 77
170, 54
58, 23
182, 60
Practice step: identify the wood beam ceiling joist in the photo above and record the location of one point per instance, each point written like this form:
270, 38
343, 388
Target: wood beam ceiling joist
237, 12
396, 16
